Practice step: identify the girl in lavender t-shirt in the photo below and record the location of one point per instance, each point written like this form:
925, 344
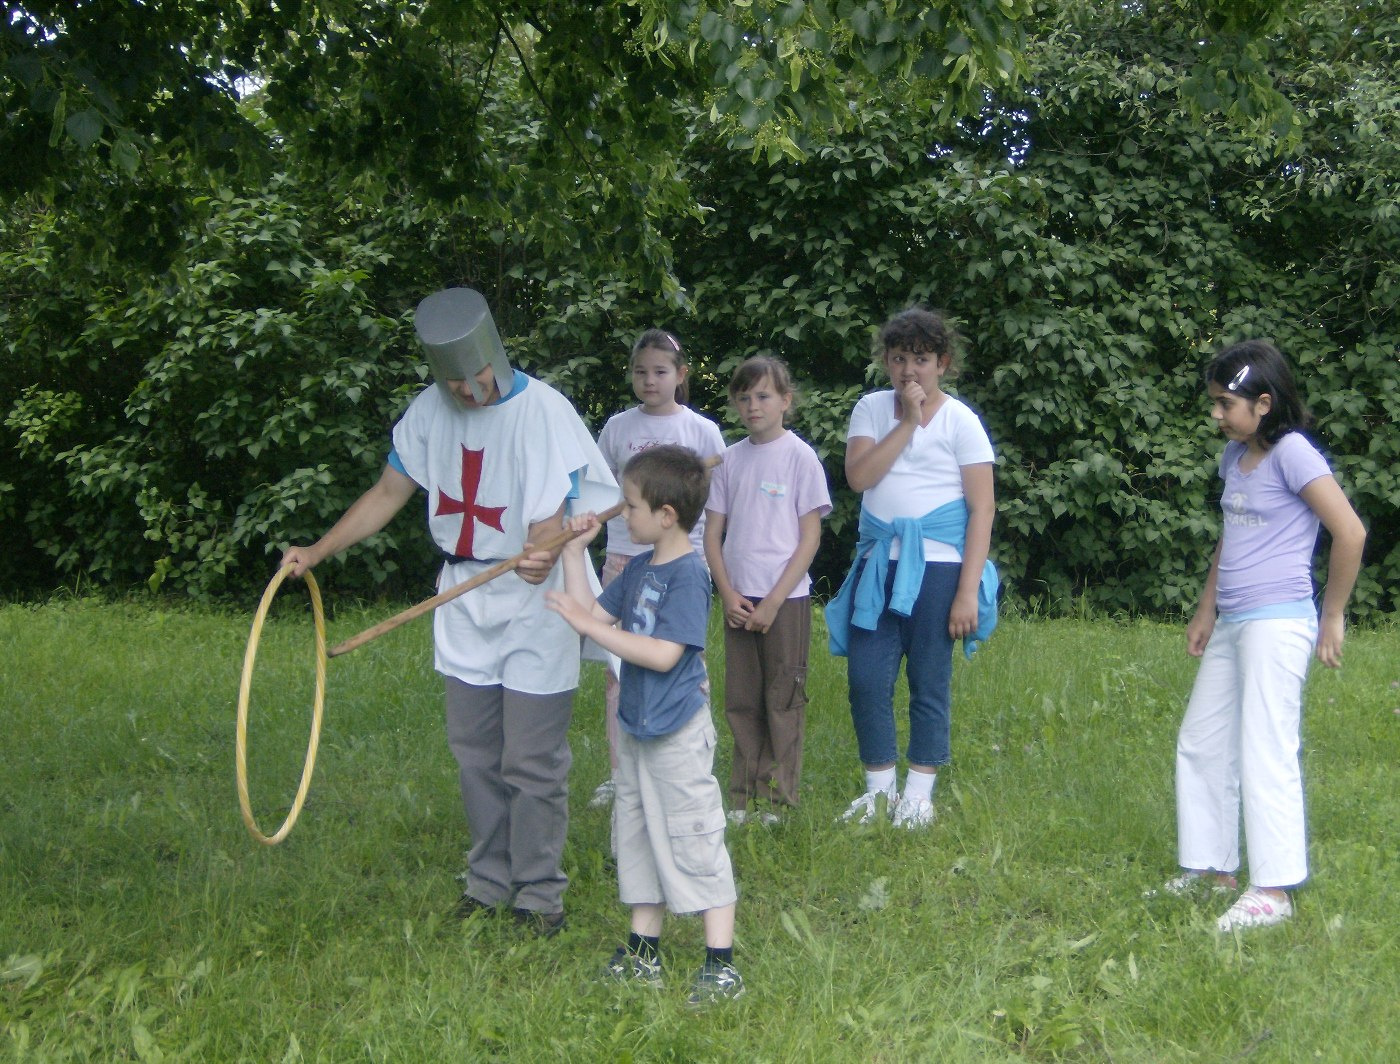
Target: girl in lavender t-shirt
1255, 631
763, 524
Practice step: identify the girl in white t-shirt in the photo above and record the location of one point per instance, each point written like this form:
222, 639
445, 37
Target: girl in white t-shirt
921, 580
763, 525
659, 381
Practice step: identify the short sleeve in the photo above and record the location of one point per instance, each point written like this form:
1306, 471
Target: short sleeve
813, 491
685, 613
863, 418
719, 490
1301, 463
971, 444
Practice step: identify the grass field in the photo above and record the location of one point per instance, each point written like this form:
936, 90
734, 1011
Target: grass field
139, 921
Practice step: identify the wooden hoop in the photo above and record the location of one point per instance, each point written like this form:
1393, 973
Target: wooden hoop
245, 686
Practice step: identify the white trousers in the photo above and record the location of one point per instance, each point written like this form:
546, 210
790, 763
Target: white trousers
1239, 740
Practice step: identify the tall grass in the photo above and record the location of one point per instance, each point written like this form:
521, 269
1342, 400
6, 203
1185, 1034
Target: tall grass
139, 921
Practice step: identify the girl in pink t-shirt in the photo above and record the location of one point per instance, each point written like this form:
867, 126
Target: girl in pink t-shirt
1255, 630
660, 382
762, 528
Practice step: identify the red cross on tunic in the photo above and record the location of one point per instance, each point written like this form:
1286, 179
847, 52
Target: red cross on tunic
472, 513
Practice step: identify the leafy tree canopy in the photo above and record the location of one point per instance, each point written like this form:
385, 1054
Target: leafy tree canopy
391, 93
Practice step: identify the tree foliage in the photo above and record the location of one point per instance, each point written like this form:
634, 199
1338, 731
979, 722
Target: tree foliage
1098, 225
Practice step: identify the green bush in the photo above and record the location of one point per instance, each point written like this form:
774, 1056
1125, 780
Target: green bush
1097, 235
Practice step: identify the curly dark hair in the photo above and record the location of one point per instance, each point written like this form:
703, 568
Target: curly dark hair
919, 330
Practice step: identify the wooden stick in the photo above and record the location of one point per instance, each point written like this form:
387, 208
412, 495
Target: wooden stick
485, 576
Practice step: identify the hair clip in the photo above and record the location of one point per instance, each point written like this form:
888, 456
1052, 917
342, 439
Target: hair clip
1238, 380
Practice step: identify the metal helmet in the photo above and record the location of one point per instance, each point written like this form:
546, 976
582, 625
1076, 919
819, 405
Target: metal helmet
460, 339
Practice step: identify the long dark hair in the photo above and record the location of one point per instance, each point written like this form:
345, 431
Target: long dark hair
1252, 368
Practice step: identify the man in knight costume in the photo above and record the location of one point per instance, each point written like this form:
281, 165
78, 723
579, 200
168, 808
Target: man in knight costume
502, 458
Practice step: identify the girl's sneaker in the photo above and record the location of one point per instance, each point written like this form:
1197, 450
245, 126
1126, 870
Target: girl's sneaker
913, 813
863, 809
1255, 908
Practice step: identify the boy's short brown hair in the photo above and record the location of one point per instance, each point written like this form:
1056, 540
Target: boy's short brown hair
672, 476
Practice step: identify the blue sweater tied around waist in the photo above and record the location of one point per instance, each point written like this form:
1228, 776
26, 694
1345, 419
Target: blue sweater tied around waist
860, 602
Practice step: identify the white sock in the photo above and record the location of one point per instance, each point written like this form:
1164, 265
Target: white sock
920, 785
880, 779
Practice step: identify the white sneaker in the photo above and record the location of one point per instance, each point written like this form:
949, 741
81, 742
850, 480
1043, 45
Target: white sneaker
1254, 908
603, 795
912, 813
737, 817
862, 810
768, 818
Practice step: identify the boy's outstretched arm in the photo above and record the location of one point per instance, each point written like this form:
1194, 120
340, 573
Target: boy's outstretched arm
579, 607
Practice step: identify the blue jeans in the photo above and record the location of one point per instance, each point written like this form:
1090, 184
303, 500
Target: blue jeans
922, 640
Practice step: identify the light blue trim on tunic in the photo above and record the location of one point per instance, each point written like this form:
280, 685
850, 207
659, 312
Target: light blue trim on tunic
1302, 609
862, 602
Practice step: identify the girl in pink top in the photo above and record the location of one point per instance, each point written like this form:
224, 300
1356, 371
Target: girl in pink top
1255, 630
660, 381
762, 528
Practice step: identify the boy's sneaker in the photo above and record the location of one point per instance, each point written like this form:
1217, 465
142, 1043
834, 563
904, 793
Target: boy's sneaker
737, 817
715, 982
1254, 908
1191, 881
625, 967
768, 818
863, 810
603, 795
913, 813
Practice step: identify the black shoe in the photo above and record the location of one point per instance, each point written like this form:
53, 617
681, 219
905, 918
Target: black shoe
467, 906
542, 925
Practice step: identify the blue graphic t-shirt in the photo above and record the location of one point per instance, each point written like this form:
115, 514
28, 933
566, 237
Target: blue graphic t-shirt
671, 602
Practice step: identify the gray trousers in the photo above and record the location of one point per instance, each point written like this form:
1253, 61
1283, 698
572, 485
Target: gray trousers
513, 759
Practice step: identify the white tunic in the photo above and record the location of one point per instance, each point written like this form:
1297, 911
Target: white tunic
489, 474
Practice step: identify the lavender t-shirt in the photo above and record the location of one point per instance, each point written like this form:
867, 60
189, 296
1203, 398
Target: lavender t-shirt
764, 490
1270, 532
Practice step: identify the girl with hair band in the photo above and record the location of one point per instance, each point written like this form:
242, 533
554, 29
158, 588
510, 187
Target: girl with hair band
921, 579
660, 382
1255, 630
763, 527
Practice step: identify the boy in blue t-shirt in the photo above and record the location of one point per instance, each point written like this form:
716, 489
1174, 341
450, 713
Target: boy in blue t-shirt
668, 814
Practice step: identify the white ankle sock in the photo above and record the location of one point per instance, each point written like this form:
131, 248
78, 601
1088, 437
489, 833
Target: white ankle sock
920, 785
880, 779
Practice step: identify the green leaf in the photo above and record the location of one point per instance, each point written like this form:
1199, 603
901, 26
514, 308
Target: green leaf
85, 128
